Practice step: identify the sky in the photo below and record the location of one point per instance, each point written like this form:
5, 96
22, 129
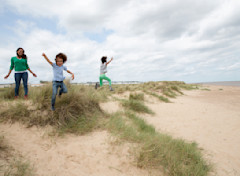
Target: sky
150, 40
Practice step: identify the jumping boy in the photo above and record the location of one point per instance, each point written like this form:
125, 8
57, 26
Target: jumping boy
58, 77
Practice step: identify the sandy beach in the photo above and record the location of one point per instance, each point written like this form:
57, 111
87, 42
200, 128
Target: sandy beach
209, 117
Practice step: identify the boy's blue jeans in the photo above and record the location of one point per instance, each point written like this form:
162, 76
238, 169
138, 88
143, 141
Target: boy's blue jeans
55, 86
18, 77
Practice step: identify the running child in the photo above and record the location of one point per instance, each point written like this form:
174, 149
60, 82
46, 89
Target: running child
58, 77
103, 71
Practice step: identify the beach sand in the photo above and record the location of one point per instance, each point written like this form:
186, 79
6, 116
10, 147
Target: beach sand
94, 154
211, 118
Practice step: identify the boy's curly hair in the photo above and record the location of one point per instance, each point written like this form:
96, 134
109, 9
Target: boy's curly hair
62, 56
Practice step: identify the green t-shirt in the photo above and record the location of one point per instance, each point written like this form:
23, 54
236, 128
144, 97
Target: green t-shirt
19, 64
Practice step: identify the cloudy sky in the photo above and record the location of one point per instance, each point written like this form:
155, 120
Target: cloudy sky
150, 40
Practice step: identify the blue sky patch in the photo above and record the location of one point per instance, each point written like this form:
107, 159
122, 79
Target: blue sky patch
100, 36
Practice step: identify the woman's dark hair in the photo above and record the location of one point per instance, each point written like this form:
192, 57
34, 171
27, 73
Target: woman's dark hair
104, 59
62, 56
23, 56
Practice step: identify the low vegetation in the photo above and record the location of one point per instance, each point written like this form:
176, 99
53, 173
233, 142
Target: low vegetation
79, 112
156, 150
12, 165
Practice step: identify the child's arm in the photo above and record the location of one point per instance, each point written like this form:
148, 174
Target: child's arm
110, 61
71, 74
44, 55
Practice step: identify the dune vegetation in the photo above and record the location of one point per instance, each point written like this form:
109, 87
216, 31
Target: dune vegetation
79, 112
12, 164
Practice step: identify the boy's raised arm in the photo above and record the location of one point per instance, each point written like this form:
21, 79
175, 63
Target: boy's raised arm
44, 55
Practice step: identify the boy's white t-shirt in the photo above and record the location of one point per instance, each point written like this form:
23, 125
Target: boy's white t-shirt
103, 68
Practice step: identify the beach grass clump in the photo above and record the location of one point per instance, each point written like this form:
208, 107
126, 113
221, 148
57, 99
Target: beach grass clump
188, 86
41, 96
19, 168
140, 124
136, 96
160, 97
120, 127
12, 165
177, 89
137, 106
9, 93
78, 111
167, 91
175, 155
17, 111
121, 88
156, 150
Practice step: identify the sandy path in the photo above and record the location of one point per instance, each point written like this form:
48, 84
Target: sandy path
211, 118
89, 155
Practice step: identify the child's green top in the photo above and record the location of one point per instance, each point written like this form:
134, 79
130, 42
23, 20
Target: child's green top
19, 64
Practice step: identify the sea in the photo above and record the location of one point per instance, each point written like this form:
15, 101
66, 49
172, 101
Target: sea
222, 83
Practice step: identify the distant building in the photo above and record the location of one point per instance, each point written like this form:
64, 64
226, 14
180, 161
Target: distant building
7, 85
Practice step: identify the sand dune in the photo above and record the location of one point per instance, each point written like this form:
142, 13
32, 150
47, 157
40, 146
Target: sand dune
94, 154
210, 118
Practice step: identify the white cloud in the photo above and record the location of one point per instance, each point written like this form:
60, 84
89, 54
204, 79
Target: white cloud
150, 39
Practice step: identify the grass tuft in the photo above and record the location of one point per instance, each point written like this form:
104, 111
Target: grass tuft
9, 93
158, 151
136, 106
136, 96
19, 168
78, 111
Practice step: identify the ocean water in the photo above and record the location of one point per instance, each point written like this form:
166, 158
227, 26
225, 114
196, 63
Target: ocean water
223, 83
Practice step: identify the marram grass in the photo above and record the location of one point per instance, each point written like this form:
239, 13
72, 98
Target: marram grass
175, 157
79, 112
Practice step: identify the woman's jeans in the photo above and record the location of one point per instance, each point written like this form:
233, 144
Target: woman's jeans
55, 86
18, 77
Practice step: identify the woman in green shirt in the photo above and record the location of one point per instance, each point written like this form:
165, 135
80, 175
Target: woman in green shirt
19, 63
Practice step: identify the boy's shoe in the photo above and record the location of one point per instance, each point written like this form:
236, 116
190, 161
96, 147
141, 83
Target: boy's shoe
16, 97
25, 97
59, 95
53, 108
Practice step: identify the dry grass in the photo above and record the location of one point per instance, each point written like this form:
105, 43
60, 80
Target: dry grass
79, 112
175, 157
12, 165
